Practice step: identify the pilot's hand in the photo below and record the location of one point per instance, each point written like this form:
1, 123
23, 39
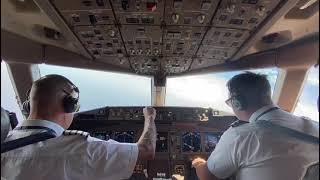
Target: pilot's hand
177, 177
149, 113
198, 162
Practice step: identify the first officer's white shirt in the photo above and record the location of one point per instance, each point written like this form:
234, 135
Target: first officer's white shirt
249, 152
67, 157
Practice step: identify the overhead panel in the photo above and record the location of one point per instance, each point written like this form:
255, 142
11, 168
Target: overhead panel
232, 25
189, 12
219, 45
243, 14
145, 65
164, 36
176, 64
147, 12
142, 40
179, 47
85, 13
104, 43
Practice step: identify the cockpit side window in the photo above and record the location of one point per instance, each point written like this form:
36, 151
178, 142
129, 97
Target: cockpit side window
8, 95
307, 103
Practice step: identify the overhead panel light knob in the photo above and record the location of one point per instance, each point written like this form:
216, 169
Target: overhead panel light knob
175, 18
156, 51
231, 8
111, 33
201, 18
261, 10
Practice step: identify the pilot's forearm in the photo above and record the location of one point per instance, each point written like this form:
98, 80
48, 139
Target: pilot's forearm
147, 141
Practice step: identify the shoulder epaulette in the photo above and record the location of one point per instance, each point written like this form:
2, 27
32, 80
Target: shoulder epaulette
238, 123
75, 132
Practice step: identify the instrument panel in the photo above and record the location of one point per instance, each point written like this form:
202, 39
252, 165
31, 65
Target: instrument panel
183, 133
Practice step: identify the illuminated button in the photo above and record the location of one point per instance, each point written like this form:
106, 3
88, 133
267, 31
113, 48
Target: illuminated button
151, 6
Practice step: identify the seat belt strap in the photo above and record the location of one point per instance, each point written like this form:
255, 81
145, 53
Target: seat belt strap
21, 142
288, 131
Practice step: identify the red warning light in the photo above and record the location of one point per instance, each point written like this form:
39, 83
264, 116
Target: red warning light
151, 6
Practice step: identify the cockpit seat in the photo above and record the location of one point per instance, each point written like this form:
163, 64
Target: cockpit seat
5, 124
312, 172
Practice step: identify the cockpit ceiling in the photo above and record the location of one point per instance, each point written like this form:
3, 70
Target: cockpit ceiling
162, 36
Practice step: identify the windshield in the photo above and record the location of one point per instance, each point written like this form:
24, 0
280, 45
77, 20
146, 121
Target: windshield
99, 89
207, 90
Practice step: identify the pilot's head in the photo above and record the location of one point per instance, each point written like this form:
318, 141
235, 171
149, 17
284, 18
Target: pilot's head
54, 98
247, 93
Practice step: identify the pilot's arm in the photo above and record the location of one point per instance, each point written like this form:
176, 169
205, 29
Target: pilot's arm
113, 160
223, 161
147, 141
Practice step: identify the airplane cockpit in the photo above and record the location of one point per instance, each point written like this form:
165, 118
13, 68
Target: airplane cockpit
176, 53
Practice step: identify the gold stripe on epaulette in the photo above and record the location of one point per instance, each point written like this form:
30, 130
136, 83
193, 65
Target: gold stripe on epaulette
75, 132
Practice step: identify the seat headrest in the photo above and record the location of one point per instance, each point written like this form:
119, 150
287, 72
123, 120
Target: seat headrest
5, 124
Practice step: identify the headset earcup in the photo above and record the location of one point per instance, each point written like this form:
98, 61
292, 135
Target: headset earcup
237, 104
70, 104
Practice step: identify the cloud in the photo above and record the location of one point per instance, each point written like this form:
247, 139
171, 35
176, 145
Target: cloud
202, 91
313, 76
307, 110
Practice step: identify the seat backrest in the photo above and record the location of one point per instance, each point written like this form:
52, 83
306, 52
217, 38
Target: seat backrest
312, 172
5, 124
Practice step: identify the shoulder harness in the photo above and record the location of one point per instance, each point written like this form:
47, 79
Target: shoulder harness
76, 132
238, 123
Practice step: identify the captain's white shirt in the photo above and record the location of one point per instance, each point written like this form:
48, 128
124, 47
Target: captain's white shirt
67, 157
250, 152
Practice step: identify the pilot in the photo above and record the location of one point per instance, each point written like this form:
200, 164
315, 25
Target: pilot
250, 151
43, 149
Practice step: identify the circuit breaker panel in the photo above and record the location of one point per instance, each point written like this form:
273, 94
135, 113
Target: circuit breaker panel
164, 36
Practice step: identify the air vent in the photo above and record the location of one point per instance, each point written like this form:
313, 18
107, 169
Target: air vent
52, 34
47, 33
274, 40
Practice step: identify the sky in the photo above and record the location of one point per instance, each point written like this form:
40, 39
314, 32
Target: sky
100, 89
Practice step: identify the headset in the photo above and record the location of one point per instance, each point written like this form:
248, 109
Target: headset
239, 102
70, 104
